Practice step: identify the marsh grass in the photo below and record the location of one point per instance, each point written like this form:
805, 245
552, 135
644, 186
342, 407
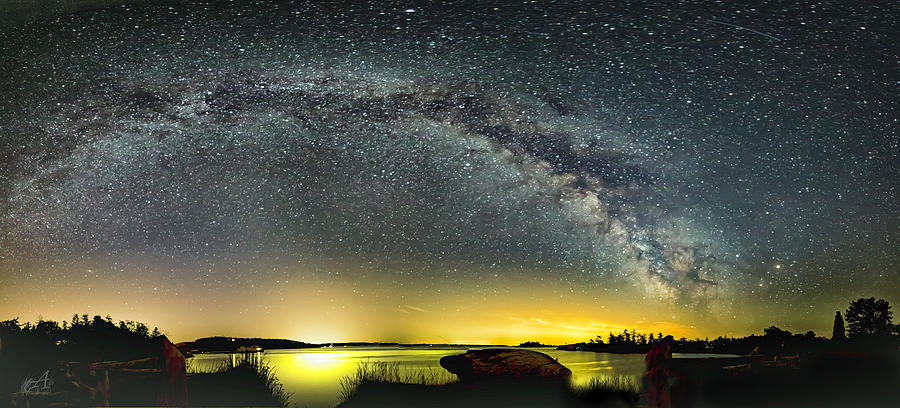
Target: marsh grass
215, 368
384, 382
249, 383
380, 372
606, 388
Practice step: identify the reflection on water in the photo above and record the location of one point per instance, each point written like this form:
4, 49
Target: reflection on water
249, 357
313, 375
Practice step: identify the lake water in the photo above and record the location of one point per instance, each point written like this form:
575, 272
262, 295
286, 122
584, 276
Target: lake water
313, 376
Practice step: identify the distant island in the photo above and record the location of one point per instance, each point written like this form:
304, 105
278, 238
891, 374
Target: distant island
533, 344
222, 344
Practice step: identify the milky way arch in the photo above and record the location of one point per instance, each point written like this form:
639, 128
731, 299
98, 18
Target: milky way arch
611, 148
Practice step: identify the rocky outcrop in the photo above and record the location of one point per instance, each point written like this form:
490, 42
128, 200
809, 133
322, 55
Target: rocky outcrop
504, 363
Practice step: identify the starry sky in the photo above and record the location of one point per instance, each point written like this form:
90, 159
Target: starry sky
451, 172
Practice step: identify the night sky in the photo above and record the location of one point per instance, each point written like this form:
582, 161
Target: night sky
452, 172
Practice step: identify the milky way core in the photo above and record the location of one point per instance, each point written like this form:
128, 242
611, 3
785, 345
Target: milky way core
450, 173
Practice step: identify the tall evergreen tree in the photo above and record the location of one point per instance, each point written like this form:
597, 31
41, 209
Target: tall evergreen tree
838, 333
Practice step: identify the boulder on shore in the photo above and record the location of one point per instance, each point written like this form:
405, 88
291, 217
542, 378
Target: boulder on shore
504, 364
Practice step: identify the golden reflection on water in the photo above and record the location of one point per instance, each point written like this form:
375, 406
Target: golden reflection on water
313, 376
251, 357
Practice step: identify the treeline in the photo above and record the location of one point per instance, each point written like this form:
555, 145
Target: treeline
774, 339
30, 348
82, 339
869, 328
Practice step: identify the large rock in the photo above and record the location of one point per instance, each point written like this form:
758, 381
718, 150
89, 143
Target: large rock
504, 363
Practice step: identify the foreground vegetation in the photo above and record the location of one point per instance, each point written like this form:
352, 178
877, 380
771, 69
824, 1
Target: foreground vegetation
619, 388
250, 383
28, 350
380, 384
379, 372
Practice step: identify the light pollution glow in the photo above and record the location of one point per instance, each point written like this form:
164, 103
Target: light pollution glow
337, 307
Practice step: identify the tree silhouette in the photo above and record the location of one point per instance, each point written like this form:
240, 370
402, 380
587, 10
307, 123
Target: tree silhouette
869, 317
838, 333
776, 333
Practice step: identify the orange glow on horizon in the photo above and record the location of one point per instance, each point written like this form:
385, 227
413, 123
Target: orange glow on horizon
316, 307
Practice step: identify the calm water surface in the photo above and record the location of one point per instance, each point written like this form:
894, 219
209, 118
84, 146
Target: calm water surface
313, 375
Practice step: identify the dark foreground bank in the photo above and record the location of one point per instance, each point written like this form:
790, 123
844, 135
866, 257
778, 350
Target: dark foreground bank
525, 394
384, 385
825, 380
94, 362
249, 384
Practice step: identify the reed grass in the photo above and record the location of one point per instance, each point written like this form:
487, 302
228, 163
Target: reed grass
380, 372
248, 382
602, 388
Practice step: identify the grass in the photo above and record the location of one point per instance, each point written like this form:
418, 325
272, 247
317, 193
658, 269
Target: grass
616, 387
380, 372
250, 383
382, 384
